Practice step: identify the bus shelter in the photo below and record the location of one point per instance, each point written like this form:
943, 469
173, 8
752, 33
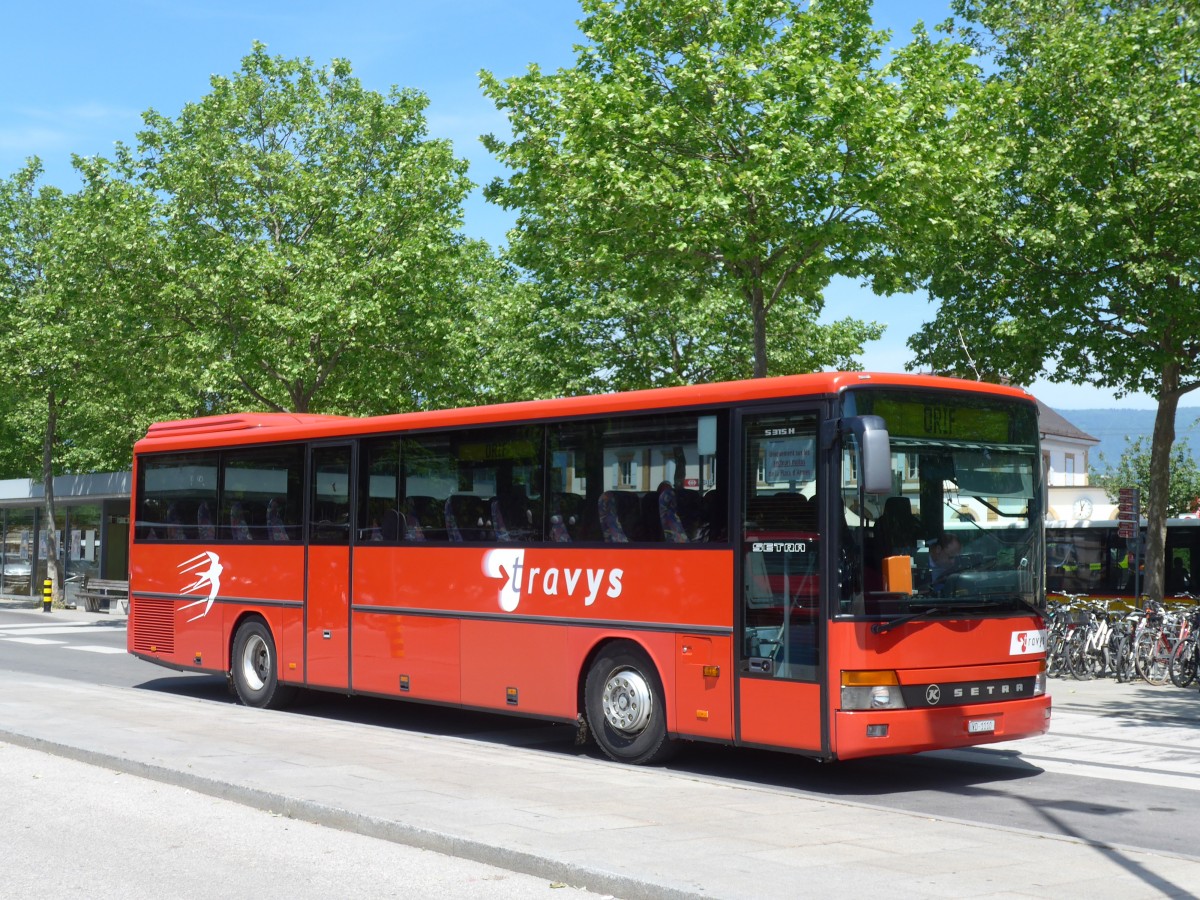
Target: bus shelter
92, 529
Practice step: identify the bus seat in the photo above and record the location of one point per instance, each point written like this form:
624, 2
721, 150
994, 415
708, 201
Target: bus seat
204, 523
410, 523
611, 524
714, 516
238, 528
502, 533
896, 529
566, 517
513, 516
467, 518
389, 526
426, 518
690, 511
276, 530
175, 527
673, 531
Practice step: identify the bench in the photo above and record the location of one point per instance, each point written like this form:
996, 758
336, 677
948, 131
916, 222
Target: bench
104, 594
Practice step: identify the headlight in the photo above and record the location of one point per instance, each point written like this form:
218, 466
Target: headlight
871, 690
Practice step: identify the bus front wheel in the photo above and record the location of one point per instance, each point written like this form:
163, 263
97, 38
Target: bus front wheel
625, 707
255, 668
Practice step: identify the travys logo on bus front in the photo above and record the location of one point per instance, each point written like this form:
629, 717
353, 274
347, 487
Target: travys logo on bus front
1026, 643
516, 579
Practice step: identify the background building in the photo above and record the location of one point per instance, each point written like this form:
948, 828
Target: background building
1065, 451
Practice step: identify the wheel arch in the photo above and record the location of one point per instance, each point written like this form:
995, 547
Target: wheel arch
659, 651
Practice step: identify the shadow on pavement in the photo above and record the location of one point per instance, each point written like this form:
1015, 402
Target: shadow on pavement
878, 777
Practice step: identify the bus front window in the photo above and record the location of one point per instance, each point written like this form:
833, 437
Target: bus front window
962, 517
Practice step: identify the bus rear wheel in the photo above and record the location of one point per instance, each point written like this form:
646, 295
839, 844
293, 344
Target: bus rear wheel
626, 712
255, 668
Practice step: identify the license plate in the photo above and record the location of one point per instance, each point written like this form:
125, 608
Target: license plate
981, 726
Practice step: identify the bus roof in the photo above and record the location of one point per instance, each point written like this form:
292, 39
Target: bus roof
253, 428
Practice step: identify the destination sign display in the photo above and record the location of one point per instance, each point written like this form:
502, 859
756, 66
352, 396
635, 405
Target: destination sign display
933, 417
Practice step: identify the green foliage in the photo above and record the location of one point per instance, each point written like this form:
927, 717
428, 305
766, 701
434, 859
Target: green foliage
731, 156
561, 343
78, 281
1073, 248
312, 235
1133, 470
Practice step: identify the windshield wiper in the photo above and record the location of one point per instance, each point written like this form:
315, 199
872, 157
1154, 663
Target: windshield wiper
882, 627
992, 604
959, 607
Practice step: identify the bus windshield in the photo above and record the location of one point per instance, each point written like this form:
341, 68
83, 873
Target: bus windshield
959, 532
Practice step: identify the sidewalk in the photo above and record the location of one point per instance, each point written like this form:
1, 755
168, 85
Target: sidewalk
613, 829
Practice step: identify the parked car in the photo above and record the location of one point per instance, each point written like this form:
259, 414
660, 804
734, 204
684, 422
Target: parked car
17, 573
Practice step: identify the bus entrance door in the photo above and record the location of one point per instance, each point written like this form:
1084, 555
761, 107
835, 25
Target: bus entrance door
327, 594
779, 692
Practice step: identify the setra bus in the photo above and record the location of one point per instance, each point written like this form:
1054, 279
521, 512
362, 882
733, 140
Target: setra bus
839, 564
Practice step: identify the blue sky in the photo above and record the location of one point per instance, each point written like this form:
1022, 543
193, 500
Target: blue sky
78, 76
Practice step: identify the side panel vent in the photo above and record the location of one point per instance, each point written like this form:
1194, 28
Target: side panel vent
153, 626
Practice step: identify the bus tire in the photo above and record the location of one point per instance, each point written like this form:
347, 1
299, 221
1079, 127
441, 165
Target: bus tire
254, 668
626, 712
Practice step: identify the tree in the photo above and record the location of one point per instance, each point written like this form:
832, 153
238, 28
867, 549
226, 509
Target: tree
1134, 468
313, 232
1070, 246
73, 340
701, 151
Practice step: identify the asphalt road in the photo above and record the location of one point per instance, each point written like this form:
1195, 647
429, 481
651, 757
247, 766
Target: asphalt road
1122, 763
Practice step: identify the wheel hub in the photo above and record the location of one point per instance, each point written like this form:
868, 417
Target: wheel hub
628, 701
255, 658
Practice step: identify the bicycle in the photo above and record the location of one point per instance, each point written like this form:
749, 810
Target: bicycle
1088, 649
1061, 621
1122, 643
1183, 664
1156, 642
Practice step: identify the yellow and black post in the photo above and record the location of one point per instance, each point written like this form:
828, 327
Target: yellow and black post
47, 595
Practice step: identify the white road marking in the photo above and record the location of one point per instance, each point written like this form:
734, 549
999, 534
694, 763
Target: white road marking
94, 648
44, 631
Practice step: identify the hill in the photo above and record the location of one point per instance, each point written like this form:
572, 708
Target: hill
1115, 427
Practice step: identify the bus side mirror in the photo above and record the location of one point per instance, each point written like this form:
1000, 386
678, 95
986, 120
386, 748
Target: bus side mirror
876, 475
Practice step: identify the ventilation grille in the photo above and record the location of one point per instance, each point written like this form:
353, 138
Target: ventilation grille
153, 626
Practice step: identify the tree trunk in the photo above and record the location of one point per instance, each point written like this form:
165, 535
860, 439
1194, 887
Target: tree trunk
759, 309
54, 566
1160, 482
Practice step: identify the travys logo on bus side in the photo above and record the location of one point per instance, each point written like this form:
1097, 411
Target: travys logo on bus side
519, 580
204, 571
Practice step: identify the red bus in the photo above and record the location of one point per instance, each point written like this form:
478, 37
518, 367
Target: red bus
839, 565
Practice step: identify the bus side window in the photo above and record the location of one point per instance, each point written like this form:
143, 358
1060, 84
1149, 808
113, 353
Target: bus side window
172, 491
261, 493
